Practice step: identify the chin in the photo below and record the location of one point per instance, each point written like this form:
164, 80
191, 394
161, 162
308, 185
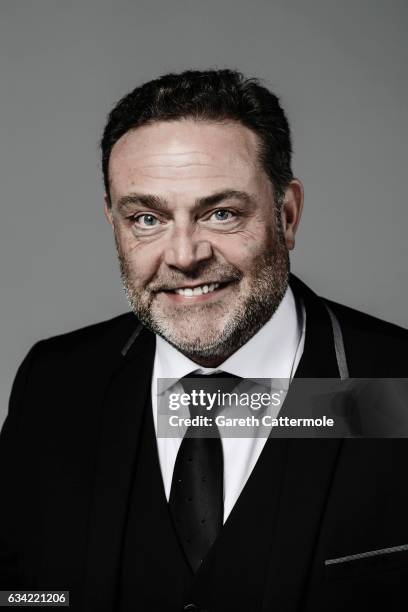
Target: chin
197, 344
191, 337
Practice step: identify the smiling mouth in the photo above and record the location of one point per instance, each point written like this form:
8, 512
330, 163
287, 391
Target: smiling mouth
198, 290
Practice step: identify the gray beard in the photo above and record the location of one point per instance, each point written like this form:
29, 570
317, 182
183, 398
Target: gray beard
269, 283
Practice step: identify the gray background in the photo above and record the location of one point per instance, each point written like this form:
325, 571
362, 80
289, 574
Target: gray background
340, 69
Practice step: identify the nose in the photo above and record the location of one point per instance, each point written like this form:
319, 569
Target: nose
185, 249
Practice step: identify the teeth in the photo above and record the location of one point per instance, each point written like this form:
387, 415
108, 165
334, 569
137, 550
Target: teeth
188, 292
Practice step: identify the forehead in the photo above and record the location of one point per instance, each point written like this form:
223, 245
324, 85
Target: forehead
184, 155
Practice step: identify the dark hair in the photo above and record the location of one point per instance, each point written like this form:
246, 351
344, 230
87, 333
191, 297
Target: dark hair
216, 95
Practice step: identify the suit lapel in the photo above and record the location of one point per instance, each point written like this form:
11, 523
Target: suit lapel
124, 391
308, 475
319, 356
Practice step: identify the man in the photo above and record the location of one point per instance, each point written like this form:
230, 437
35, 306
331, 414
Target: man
204, 210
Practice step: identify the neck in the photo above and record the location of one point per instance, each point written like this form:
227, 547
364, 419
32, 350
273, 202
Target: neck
208, 362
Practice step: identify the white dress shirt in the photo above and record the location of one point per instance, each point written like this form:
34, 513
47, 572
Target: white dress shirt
273, 352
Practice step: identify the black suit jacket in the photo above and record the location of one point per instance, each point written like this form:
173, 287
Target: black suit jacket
68, 445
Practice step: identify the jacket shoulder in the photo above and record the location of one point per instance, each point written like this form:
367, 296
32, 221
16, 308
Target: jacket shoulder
112, 332
354, 322
363, 323
80, 350
380, 345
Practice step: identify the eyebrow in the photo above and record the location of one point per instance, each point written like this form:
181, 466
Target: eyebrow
161, 205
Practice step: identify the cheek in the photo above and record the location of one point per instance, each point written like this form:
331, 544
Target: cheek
243, 249
142, 259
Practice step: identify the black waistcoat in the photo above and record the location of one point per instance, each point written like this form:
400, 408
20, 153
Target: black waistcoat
154, 574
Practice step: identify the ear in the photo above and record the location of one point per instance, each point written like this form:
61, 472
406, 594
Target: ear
108, 210
292, 211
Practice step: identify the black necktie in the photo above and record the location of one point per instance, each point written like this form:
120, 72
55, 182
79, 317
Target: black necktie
196, 496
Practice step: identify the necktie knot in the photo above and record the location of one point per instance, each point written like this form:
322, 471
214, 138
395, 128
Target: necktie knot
202, 386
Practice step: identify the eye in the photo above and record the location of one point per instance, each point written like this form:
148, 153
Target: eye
146, 220
222, 215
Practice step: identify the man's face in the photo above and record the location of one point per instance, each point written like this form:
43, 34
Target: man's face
203, 260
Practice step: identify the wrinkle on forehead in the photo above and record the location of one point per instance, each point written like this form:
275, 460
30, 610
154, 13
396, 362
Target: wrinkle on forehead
186, 171
145, 156
176, 154
189, 165
178, 160
177, 165
175, 158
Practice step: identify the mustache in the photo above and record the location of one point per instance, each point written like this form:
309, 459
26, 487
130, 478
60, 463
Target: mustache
169, 283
